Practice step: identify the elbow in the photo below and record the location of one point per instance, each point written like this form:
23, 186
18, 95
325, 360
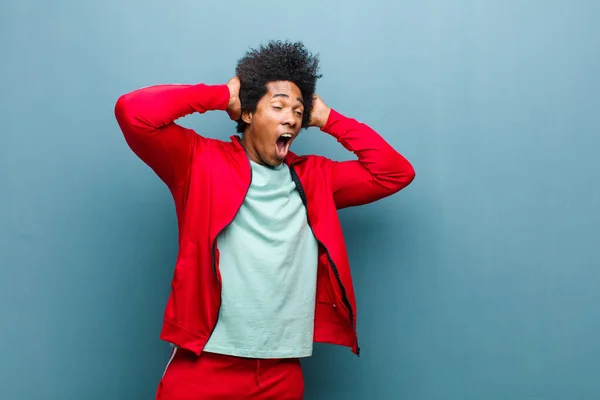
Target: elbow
124, 118
402, 173
409, 173
127, 114
121, 110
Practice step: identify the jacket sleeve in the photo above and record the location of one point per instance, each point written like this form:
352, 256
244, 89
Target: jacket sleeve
380, 171
146, 118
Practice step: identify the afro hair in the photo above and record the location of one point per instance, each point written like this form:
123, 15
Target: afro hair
276, 61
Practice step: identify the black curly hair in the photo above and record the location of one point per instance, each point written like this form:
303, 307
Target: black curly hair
276, 61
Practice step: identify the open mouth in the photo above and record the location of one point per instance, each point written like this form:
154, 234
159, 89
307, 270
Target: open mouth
283, 144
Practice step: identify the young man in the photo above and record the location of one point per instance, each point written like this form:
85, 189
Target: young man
262, 270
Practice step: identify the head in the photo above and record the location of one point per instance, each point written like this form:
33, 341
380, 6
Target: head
277, 83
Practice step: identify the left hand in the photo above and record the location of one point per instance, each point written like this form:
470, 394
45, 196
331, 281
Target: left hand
234, 107
320, 112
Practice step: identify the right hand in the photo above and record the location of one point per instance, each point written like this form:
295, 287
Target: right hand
234, 108
320, 112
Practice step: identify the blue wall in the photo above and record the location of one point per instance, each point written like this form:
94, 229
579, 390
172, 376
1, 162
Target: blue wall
479, 281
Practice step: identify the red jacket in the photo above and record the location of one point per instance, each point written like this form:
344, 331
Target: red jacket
209, 180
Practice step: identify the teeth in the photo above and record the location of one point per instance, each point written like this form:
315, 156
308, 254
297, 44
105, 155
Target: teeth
287, 135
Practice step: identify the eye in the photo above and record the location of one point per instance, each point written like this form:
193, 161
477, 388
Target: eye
298, 113
277, 107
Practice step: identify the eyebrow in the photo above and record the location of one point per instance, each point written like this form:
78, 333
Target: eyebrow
287, 97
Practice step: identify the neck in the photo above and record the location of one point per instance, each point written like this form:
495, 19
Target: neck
250, 149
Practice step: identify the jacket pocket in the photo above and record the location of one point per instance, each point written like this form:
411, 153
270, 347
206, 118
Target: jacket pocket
186, 261
186, 258
326, 285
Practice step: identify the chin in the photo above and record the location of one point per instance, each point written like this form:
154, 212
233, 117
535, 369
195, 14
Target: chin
272, 161
275, 163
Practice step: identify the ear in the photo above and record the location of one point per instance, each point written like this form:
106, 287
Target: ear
247, 117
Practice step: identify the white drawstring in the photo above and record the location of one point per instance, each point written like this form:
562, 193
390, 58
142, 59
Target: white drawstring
257, 371
169, 363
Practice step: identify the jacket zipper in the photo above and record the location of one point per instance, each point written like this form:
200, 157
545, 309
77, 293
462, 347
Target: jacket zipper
345, 300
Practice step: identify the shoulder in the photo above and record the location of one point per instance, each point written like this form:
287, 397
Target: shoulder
310, 163
203, 143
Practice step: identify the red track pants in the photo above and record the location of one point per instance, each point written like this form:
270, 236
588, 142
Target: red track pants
220, 377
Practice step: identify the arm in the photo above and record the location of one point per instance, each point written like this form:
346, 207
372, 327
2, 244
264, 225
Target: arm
146, 117
380, 171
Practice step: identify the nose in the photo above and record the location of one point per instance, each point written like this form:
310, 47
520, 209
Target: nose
288, 119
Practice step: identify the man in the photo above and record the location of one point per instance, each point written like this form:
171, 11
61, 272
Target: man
262, 269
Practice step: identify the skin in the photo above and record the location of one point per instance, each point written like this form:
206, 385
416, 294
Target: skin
279, 111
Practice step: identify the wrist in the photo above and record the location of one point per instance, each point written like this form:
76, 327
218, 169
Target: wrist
325, 117
332, 122
322, 118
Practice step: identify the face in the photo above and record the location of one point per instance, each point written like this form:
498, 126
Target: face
275, 124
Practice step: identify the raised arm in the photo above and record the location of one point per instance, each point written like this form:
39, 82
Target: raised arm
147, 119
380, 171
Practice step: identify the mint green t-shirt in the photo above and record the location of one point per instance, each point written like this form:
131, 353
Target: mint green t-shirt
268, 264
